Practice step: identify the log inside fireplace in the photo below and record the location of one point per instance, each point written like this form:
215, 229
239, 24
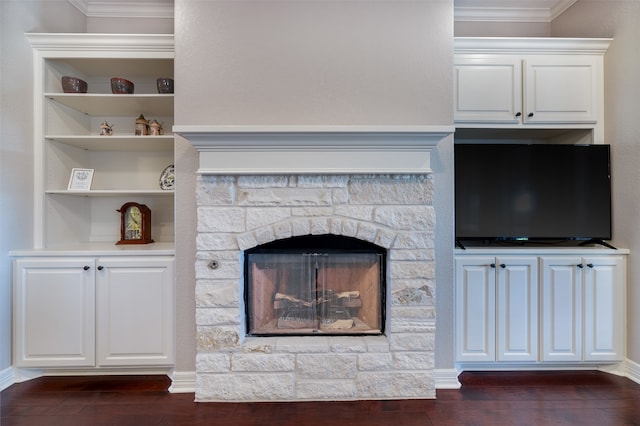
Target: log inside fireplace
325, 285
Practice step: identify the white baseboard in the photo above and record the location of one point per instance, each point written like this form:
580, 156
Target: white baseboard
7, 378
447, 378
632, 370
183, 382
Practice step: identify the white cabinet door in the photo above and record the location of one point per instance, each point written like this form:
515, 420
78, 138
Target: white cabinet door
561, 300
604, 312
526, 90
517, 309
475, 295
561, 89
54, 312
487, 89
135, 311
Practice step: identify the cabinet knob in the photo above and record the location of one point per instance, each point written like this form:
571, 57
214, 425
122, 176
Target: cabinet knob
530, 115
100, 268
86, 268
518, 114
590, 265
502, 265
580, 265
493, 265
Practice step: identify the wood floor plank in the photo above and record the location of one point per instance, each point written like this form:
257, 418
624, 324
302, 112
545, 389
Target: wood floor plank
485, 398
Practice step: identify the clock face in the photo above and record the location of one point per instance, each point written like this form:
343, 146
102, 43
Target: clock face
133, 223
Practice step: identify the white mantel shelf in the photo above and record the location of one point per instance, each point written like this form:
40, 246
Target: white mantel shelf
242, 150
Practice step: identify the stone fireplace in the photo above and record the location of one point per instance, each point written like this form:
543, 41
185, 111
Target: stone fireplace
260, 187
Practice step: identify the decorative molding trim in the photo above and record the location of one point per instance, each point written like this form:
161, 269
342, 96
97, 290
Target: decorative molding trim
95, 42
447, 378
464, 10
243, 150
183, 382
509, 11
7, 378
124, 9
533, 45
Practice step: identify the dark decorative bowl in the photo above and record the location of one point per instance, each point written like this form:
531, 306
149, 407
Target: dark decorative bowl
165, 85
121, 86
73, 85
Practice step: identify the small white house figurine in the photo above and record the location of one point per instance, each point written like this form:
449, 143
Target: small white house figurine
155, 128
106, 129
142, 126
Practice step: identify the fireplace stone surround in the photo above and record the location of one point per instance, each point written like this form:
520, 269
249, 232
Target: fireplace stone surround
373, 200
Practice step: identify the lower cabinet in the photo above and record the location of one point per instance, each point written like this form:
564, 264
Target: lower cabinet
539, 307
583, 301
496, 308
93, 311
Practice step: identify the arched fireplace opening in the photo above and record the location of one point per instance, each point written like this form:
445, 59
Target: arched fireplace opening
315, 285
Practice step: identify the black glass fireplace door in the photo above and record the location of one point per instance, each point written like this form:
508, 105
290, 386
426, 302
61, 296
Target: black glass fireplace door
307, 293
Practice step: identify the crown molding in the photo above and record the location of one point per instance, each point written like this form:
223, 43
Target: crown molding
124, 9
464, 10
509, 10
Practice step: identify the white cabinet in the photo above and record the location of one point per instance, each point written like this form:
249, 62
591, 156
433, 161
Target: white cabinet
540, 306
73, 311
496, 308
80, 300
67, 135
529, 83
54, 312
583, 298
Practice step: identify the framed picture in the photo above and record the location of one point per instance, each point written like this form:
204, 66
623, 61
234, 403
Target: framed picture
80, 179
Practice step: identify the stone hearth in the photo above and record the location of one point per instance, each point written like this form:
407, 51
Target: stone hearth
238, 211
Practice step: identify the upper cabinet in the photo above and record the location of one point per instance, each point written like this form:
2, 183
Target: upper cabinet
529, 83
96, 130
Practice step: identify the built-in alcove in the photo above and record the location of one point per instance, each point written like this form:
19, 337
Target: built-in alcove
315, 285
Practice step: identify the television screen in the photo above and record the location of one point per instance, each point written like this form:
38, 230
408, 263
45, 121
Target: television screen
532, 192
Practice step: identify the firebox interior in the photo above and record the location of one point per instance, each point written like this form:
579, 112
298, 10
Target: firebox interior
329, 285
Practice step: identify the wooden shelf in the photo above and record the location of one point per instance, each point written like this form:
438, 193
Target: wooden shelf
116, 105
125, 143
111, 192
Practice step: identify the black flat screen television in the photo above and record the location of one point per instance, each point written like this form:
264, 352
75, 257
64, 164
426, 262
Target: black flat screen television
532, 192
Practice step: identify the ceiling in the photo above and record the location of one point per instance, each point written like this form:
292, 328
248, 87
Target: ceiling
464, 10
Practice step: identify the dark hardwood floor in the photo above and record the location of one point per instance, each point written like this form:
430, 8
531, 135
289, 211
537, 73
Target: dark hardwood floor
496, 398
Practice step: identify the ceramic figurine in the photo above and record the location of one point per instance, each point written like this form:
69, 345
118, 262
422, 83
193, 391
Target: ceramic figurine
142, 126
106, 129
155, 128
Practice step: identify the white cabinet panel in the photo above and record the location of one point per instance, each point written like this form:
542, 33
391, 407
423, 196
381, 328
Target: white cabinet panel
475, 309
604, 327
488, 89
562, 309
135, 311
54, 312
561, 89
517, 312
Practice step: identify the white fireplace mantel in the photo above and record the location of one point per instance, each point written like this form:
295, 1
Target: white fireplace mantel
241, 150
